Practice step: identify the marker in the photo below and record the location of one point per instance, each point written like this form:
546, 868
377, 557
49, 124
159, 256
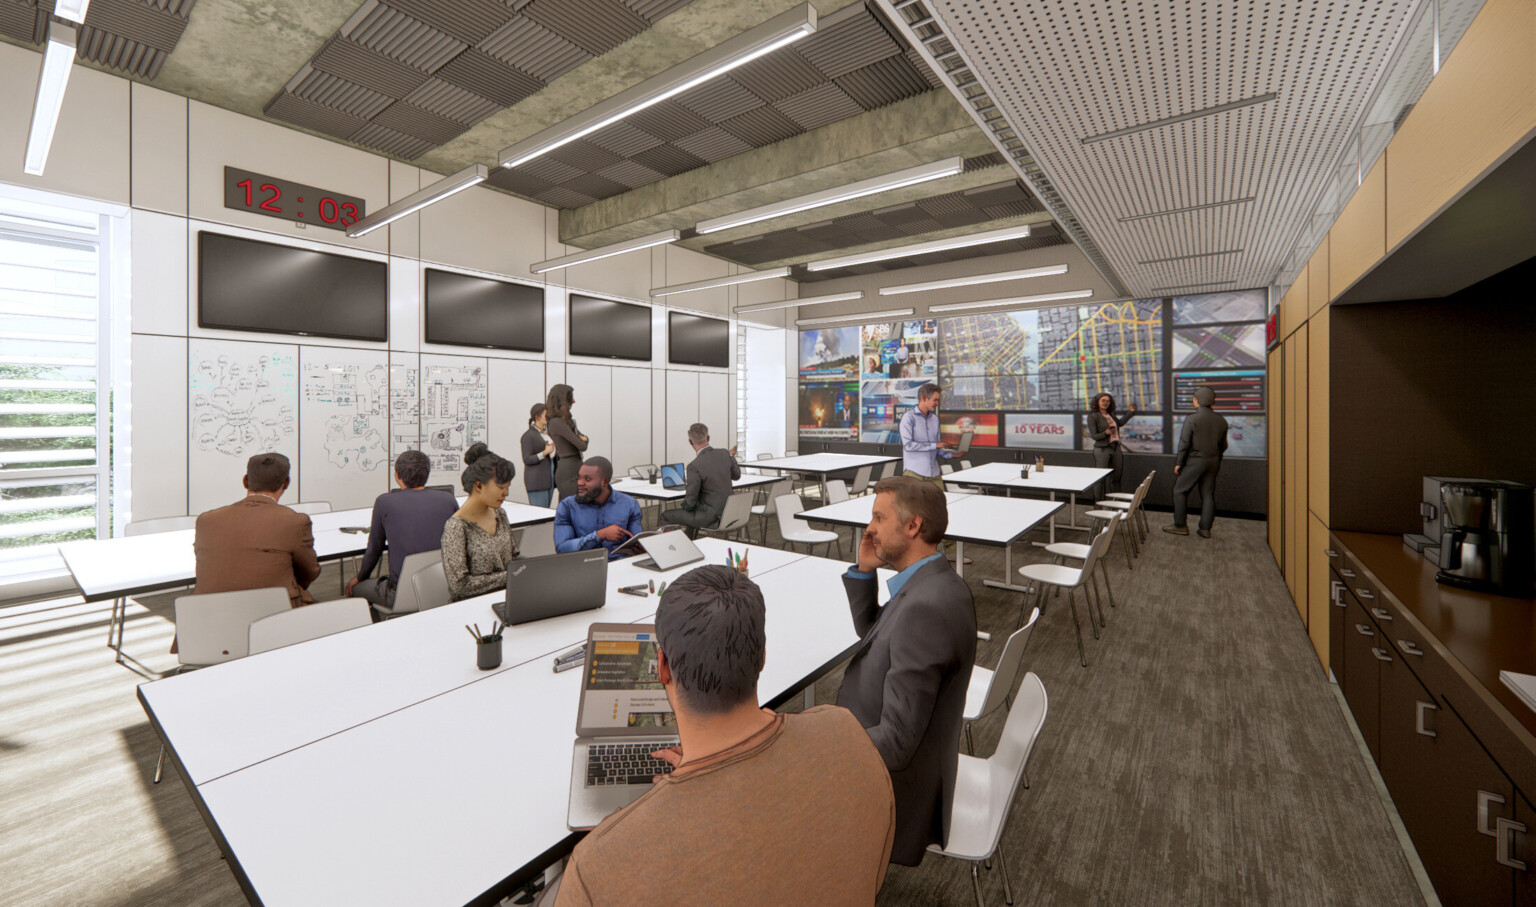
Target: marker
631, 592
730, 557
567, 666
653, 587
567, 656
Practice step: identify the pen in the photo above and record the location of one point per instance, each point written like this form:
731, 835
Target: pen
478, 635
730, 557
567, 666
641, 594
653, 586
567, 656
471, 632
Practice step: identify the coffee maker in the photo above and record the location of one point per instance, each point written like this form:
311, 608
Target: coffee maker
1488, 536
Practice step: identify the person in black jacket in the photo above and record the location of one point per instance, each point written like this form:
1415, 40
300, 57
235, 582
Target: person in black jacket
538, 457
710, 478
569, 443
907, 680
1202, 444
1105, 428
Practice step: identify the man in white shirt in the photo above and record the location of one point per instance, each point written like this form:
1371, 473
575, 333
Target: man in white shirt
921, 446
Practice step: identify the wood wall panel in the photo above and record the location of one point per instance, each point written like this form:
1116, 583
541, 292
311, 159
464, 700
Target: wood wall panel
1317, 279
1276, 461
1318, 384
1297, 443
1317, 588
1358, 239
1291, 484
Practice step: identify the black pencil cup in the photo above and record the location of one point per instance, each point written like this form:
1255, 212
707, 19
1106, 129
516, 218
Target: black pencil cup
488, 653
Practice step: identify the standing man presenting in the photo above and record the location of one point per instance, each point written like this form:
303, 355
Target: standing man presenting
920, 444
908, 677
1202, 444
709, 483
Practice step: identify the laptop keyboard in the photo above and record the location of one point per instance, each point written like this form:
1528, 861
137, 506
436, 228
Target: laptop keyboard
610, 764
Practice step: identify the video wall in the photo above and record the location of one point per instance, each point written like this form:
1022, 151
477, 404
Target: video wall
1024, 379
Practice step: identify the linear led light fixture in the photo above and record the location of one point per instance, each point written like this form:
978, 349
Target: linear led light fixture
922, 248
1047, 271
73, 10
796, 303
58, 60
472, 175
909, 177
860, 316
1181, 118
1022, 301
618, 248
785, 28
714, 282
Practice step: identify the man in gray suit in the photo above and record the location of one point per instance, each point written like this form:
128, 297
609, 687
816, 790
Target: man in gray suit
1202, 444
709, 483
907, 680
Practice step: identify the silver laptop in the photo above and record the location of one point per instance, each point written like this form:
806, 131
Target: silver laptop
674, 475
965, 443
556, 584
622, 718
669, 550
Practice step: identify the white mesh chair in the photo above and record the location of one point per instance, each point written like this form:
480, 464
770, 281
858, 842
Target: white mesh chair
763, 510
1069, 578
216, 627
791, 453
1077, 551
797, 531
991, 688
765, 456
431, 586
296, 625
538, 540
892, 470
405, 593
985, 788
735, 518
311, 507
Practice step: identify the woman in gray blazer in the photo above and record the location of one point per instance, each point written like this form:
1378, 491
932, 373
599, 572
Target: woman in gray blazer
1105, 428
538, 458
569, 443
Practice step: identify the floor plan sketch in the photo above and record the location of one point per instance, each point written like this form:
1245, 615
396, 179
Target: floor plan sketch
347, 405
453, 412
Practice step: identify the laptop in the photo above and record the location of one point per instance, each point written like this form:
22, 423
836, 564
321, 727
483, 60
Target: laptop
669, 550
965, 443
540, 587
674, 475
623, 717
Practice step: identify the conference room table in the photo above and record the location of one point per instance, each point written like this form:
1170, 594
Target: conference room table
381, 766
977, 518
133, 565
639, 488
1072, 480
821, 465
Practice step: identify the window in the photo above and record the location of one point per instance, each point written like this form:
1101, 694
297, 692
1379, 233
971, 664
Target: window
54, 419
741, 392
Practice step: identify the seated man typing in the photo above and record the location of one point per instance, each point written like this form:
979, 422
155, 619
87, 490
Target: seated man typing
762, 808
598, 516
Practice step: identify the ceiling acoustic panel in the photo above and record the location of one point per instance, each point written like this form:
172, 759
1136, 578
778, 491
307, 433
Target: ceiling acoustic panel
719, 99
412, 120
389, 141
654, 11
402, 38
469, 21
596, 26
624, 139
779, 75
340, 95
519, 182
479, 72
451, 102
351, 61
762, 126
819, 106
529, 47
133, 36
630, 174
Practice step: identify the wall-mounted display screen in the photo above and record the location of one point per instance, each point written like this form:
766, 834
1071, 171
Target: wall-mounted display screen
1214, 308
696, 340
1236, 391
479, 312
246, 285
953, 425
830, 411
608, 329
1219, 346
829, 353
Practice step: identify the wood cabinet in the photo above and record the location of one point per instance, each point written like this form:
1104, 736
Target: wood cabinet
1362, 677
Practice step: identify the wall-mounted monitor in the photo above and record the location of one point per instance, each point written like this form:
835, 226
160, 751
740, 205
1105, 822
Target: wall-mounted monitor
246, 285
696, 340
609, 330
479, 312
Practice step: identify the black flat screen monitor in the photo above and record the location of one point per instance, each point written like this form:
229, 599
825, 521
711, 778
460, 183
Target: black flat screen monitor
696, 340
476, 311
610, 330
246, 285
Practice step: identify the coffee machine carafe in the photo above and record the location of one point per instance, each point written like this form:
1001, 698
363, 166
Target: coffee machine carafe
1487, 541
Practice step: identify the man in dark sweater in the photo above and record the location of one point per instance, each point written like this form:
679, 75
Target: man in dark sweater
1202, 444
409, 521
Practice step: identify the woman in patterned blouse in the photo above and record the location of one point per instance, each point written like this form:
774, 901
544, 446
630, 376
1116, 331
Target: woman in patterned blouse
477, 540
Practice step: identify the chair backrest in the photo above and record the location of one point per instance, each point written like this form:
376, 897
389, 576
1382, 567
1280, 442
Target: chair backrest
889, 470
965, 464
737, 512
836, 491
163, 524
765, 456
1100, 543
778, 489
297, 625
786, 506
405, 593
431, 587
311, 507
861, 480
1008, 665
1020, 731
216, 627
791, 453
538, 540
945, 469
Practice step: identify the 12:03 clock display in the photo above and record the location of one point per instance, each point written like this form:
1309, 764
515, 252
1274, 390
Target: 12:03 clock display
274, 197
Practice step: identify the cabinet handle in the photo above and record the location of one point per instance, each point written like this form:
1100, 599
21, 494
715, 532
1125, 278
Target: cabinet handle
1506, 834
1347, 574
1380, 614
1483, 799
1410, 647
1381, 654
1330, 552
1418, 723
1365, 595
1363, 630
1336, 593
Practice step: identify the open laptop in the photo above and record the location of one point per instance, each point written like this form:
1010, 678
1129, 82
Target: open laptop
668, 550
965, 443
540, 587
674, 475
623, 717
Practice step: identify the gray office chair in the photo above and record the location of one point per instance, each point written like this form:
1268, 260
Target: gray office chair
861, 480
431, 587
405, 594
538, 540
734, 518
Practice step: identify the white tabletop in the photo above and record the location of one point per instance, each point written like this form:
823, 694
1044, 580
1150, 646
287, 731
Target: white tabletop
1072, 479
637, 488
241, 712
471, 785
986, 519
820, 464
108, 568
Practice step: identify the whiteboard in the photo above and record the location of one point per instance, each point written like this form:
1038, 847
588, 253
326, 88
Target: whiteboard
593, 410
404, 404
242, 400
344, 425
453, 412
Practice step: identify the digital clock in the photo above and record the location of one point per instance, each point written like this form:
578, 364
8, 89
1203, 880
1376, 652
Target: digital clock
273, 197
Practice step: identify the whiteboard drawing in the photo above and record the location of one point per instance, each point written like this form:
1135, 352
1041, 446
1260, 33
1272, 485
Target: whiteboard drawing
453, 411
404, 407
242, 406
352, 400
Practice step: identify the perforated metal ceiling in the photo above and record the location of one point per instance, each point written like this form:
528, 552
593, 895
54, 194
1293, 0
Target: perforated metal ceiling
134, 36
1077, 78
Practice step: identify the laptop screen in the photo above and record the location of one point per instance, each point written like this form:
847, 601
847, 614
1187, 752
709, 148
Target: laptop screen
674, 475
621, 692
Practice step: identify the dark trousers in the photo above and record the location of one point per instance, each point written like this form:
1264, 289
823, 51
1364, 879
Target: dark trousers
1112, 458
1201, 473
694, 520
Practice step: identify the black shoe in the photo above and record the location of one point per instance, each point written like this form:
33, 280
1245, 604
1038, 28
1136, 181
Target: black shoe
1176, 530
1203, 533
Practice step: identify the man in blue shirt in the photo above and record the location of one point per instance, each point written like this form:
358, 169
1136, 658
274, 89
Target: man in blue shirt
597, 516
921, 446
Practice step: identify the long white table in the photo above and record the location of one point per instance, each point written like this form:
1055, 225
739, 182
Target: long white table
450, 787
637, 488
1073, 480
976, 518
822, 464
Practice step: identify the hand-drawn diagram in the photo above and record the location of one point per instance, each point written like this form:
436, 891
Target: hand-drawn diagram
404, 407
351, 400
241, 406
453, 413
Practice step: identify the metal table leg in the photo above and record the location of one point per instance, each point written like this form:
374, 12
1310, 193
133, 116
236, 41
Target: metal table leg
1008, 574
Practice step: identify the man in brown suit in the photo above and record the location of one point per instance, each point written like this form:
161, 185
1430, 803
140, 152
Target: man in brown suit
257, 542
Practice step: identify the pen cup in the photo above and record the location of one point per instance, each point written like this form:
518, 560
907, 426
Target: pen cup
1024, 471
488, 653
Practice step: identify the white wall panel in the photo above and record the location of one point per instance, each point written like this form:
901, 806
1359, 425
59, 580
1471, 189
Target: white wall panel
159, 150
405, 233
344, 445
89, 156
158, 427
516, 384
765, 392
631, 418
159, 266
682, 411
592, 386
687, 266
791, 415
483, 229
404, 304
715, 394
627, 275
658, 416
